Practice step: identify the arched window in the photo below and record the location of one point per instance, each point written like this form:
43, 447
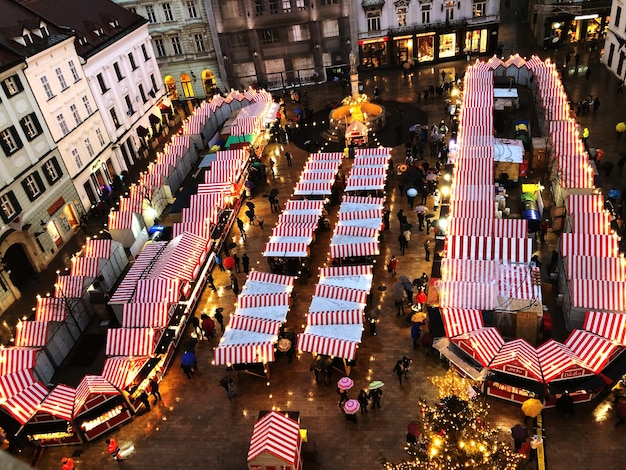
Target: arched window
170, 85
208, 83
185, 81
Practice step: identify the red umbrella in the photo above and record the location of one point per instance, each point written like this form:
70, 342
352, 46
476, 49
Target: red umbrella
229, 262
413, 429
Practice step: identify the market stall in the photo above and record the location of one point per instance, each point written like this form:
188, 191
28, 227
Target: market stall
125, 227
124, 374
356, 134
112, 259
54, 338
275, 443
132, 341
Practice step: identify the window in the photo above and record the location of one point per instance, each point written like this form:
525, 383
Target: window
160, 48
62, 124
118, 72
9, 206
479, 7
167, 11
373, 20
52, 170
299, 33
73, 70
89, 147
10, 141
300, 5
449, 12
103, 86
142, 93
199, 40
238, 40
273, 6
618, 14
75, 114
287, 6
33, 186
329, 2
87, 105
426, 14
100, 136
191, 9
12, 85
131, 59
46, 87
609, 61
144, 51
113, 114
270, 36
30, 126
150, 14
155, 88
129, 106
61, 78
401, 12
176, 45
258, 7
330, 28
77, 160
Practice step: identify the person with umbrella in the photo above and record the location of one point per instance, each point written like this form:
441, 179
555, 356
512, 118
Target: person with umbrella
245, 261
188, 363
242, 230
376, 392
208, 325
531, 409
237, 262
416, 332
211, 282
350, 409
411, 194
519, 434
399, 297
421, 216
404, 243
234, 283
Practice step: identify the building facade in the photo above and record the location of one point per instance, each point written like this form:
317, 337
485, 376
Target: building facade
280, 43
614, 56
395, 33
181, 33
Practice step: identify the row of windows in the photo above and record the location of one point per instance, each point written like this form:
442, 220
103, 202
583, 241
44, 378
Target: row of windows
287, 6
33, 187
61, 80
295, 33
129, 103
168, 15
176, 46
10, 140
118, 71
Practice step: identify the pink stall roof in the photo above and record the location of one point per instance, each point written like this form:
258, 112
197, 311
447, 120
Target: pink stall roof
458, 321
335, 317
93, 388
25, 404
483, 344
593, 350
31, 333
132, 341
608, 325
121, 371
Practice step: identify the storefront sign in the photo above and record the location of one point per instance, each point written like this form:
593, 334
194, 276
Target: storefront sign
56, 206
373, 41
514, 370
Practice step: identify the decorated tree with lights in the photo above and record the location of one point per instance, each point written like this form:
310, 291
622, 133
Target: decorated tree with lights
454, 434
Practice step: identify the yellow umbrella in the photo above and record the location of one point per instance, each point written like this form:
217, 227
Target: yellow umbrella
532, 407
621, 127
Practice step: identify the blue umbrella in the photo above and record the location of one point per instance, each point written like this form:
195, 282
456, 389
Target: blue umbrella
188, 358
411, 192
615, 193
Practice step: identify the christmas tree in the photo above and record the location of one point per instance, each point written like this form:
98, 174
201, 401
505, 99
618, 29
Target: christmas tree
454, 434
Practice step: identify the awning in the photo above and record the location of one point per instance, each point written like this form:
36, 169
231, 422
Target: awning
458, 321
271, 300
240, 322
90, 386
132, 341
483, 345
16, 359
346, 317
59, 403
278, 436
519, 358
608, 325
558, 362
355, 248
51, 309
26, 403
12, 384
327, 346
244, 353
270, 278
154, 119
595, 351
32, 333
145, 314
340, 293
142, 131
121, 371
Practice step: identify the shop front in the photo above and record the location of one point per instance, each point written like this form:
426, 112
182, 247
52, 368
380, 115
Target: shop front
568, 29
374, 53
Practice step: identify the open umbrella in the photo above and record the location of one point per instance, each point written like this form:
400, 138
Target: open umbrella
351, 407
411, 192
621, 127
413, 428
229, 262
188, 358
345, 383
532, 407
519, 432
376, 384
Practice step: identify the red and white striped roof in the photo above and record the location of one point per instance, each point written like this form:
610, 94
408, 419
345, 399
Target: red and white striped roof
368, 162
292, 231
12, 384
50, 309
91, 392
590, 245
304, 205
244, 353
375, 183
59, 403
121, 371
286, 249
591, 222
608, 325
468, 295
468, 156
139, 270
584, 203
473, 192
516, 282
479, 209
118, 220
465, 226
193, 125
335, 317
340, 271
595, 267
469, 247
320, 156
510, 228
217, 189
322, 165
145, 314
458, 321
558, 362
351, 231
157, 290
515, 250
31, 333
297, 219
270, 278
477, 117
71, 287
360, 215
317, 175
97, 248
598, 295
200, 228
306, 188
258, 325
16, 359
473, 136
340, 293
361, 200
354, 249
132, 341
327, 346
483, 345
593, 350
519, 358
372, 151
232, 154
278, 436
25, 404
185, 257
87, 267
575, 171
264, 300
469, 270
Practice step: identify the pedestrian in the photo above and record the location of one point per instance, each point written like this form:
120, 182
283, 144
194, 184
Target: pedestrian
219, 317
393, 265
143, 398
343, 396
621, 162
189, 363
399, 370
208, 326
68, 463
386, 215
420, 299
409, 196
416, 332
154, 389
588, 73
399, 299
229, 385
577, 60
543, 230
596, 104
436, 199
288, 158
364, 399
234, 283
402, 218
317, 370
250, 215
114, 449
218, 261
376, 394
427, 249
245, 261
195, 323
565, 404
237, 263
420, 219
242, 231
260, 221
211, 282
403, 243
272, 163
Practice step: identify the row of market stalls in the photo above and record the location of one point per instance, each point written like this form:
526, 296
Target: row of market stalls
318, 176
487, 269
369, 172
